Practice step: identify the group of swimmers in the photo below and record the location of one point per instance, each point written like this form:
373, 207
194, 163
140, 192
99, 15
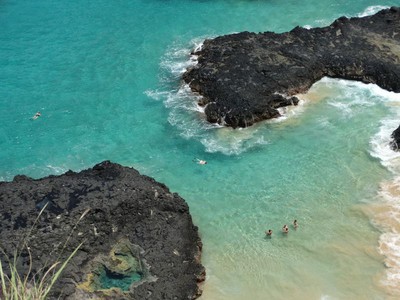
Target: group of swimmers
285, 229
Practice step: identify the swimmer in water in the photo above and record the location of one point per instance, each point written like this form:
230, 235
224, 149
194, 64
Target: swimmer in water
37, 115
268, 233
201, 162
295, 225
285, 229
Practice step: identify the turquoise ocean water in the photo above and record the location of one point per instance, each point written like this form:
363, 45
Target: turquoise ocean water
105, 76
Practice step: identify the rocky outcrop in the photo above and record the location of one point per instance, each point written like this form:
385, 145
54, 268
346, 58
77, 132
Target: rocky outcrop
138, 238
245, 77
395, 142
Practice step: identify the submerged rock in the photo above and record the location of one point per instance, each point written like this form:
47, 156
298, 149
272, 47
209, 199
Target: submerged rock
138, 238
244, 78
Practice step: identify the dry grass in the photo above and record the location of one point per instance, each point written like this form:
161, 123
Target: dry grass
15, 287
30, 286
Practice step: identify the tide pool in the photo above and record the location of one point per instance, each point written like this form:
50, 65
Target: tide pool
106, 78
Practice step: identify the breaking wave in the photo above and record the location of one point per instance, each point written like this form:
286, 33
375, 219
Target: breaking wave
386, 210
188, 117
371, 10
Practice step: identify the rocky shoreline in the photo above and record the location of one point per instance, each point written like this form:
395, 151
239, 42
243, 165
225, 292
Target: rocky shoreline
138, 238
245, 77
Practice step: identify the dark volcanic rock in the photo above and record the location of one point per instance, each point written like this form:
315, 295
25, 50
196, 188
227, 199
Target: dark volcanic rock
245, 77
122, 208
395, 143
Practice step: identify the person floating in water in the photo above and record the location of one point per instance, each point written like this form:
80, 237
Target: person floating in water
285, 229
295, 225
268, 233
37, 115
200, 161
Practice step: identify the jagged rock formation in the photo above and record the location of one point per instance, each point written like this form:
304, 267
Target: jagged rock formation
245, 77
136, 234
395, 142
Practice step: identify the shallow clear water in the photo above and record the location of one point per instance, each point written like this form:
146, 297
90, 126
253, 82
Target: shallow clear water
105, 76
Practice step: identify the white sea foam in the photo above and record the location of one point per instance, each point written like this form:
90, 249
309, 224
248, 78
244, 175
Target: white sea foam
179, 99
387, 215
322, 22
344, 107
178, 68
371, 10
57, 170
289, 112
318, 23
178, 57
185, 113
347, 96
156, 95
352, 96
380, 145
233, 143
324, 122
